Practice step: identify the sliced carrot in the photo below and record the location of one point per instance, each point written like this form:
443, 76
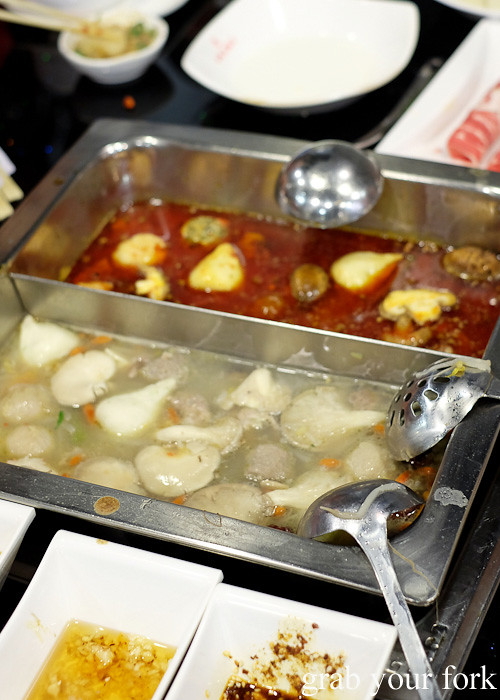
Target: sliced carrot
180, 499
330, 462
426, 471
89, 413
404, 476
76, 459
279, 511
173, 415
379, 428
101, 339
77, 351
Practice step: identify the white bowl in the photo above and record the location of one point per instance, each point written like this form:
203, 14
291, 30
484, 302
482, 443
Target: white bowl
119, 69
14, 521
111, 585
476, 8
92, 8
238, 624
296, 55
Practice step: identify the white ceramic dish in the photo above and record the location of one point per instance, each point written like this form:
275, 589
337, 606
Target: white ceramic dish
423, 131
238, 624
14, 521
477, 8
92, 8
296, 55
107, 584
119, 69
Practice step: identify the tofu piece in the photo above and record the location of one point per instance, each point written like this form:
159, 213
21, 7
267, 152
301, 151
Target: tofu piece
220, 271
362, 269
421, 305
139, 250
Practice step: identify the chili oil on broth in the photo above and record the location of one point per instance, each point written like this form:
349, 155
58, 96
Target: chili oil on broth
269, 253
258, 443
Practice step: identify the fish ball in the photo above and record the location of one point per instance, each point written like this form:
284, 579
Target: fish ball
109, 471
29, 440
25, 403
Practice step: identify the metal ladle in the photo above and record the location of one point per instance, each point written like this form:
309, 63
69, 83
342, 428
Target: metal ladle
364, 510
435, 400
330, 183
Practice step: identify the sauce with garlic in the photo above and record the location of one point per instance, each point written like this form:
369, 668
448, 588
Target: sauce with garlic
89, 661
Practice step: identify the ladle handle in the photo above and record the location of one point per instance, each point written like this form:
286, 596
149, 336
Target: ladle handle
418, 664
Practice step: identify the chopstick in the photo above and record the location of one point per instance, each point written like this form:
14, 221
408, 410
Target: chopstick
29, 6
39, 22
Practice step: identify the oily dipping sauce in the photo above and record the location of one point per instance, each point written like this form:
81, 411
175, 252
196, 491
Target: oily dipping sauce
281, 669
270, 257
89, 661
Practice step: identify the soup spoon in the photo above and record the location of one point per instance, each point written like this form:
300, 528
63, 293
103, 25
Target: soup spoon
433, 401
330, 183
366, 510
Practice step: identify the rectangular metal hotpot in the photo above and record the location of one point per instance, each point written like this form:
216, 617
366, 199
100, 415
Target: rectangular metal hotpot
119, 161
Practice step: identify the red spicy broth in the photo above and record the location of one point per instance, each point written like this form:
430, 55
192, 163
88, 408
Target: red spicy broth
270, 251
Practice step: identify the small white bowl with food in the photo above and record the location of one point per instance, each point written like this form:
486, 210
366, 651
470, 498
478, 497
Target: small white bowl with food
115, 49
99, 616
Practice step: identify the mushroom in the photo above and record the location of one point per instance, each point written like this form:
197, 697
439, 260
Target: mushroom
82, 378
170, 472
308, 283
225, 434
317, 419
132, 412
41, 342
259, 390
240, 501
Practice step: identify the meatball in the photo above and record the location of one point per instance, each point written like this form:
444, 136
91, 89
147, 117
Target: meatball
472, 263
192, 408
269, 462
169, 364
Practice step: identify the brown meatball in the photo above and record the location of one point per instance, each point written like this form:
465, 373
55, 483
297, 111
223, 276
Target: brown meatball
472, 263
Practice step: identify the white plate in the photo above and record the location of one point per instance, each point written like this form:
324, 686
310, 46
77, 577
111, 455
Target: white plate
472, 70
14, 521
478, 8
241, 623
291, 54
108, 584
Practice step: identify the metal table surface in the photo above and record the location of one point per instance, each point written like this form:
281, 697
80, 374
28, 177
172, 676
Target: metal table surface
45, 107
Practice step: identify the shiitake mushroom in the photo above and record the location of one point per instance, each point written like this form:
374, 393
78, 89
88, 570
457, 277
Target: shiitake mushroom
308, 283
